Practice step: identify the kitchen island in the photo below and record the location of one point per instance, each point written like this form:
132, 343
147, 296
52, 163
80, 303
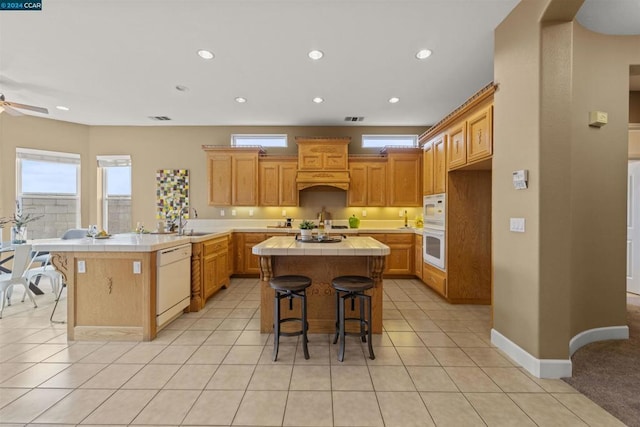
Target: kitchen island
321, 262
112, 283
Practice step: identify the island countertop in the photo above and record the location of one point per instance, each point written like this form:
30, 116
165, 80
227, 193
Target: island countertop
117, 243
349, 246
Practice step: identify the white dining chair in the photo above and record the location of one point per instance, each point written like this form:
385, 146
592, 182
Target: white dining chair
21, 262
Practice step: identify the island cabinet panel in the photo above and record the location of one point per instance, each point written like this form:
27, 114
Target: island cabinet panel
209, 270
277, 182
367, 185
247, 263
108, 301
232, 176
404, 177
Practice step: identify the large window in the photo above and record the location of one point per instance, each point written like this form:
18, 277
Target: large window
380, 141
265, 140
115, 174
48, 183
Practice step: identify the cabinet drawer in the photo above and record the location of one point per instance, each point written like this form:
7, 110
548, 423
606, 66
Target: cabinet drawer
399, 238
435, 279
215, 246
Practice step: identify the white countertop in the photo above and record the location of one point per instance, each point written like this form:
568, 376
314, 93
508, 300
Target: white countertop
117, 243
350, 246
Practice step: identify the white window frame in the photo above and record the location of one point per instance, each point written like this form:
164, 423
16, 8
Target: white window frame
253, 140
123, 160
381, 141
53, 157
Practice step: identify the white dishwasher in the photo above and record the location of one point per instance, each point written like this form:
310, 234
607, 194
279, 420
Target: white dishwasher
173, 291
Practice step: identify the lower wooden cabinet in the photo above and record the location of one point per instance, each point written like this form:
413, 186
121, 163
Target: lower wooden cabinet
400, 261
417, 255
435, 278
246, 262
209, 269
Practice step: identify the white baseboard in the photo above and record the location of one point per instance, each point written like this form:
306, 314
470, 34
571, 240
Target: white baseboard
556, 368
598, 334
541, 368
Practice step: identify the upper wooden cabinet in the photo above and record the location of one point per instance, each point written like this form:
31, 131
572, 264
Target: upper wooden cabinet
471, 140
434, 166
322, 153
368, 182
479, 135
277, 181
404, 177
232, 176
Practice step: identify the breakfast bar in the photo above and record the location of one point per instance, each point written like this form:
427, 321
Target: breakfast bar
320, 261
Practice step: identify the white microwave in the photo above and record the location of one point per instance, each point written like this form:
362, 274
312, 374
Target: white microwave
434, 211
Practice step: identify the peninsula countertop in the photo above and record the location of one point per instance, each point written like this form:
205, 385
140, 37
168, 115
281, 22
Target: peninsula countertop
128, 242
349, 246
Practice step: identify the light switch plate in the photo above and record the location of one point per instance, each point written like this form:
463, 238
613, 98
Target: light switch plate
516, 225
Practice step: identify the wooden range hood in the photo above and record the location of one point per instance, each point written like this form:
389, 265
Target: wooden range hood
323, 162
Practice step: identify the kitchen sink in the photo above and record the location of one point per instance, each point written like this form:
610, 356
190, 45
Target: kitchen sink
198, 233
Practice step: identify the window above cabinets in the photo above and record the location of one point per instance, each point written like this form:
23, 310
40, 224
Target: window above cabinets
263, 140
381, 141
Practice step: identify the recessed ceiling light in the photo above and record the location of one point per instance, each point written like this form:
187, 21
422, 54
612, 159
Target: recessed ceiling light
241, 100
182, 88
316, 54
423, 54
318, 100
393, 100
205, 54
62, 107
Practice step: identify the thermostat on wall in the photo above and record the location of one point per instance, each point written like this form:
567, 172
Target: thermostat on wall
520, 179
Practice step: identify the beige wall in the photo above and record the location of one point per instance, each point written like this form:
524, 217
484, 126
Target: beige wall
159, 147
569, 266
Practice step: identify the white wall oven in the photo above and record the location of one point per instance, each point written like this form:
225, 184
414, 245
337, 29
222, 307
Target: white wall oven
434, 231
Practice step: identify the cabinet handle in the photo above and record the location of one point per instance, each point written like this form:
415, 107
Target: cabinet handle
110, 284
479, 136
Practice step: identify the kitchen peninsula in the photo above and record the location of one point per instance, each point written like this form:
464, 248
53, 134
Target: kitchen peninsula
321, 262
112, 283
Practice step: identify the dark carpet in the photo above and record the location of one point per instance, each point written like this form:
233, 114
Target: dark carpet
608, 372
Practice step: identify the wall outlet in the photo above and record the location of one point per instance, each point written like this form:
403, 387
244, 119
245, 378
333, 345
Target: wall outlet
233, 212
136, 267
364, 212
400, 213
221, 212
284, 212
250, 212
82, 267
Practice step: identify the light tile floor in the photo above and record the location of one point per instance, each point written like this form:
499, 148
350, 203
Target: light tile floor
434, 365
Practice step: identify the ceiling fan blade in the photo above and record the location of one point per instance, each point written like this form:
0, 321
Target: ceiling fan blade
29, 107
10, 111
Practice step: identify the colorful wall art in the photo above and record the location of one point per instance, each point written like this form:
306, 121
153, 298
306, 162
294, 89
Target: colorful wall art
172, 193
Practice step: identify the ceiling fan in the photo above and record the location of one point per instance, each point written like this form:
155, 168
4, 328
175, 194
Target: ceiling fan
10, 107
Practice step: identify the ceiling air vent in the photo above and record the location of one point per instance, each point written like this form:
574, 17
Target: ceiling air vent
160, 118
353, 119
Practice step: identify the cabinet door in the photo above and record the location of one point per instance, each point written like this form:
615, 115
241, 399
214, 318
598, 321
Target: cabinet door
357, 194
404, 179
399, 261
268, 178
209, 273
251, 261
245, 179
456, 146
479, 135
376, 184
221, 278
219, 168
439, 165
288, 190
427, 168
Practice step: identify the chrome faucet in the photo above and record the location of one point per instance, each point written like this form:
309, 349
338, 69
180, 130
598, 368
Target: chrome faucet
181, 222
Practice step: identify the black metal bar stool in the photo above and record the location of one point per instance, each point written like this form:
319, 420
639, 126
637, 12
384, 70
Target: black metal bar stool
290, 286
350, 288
